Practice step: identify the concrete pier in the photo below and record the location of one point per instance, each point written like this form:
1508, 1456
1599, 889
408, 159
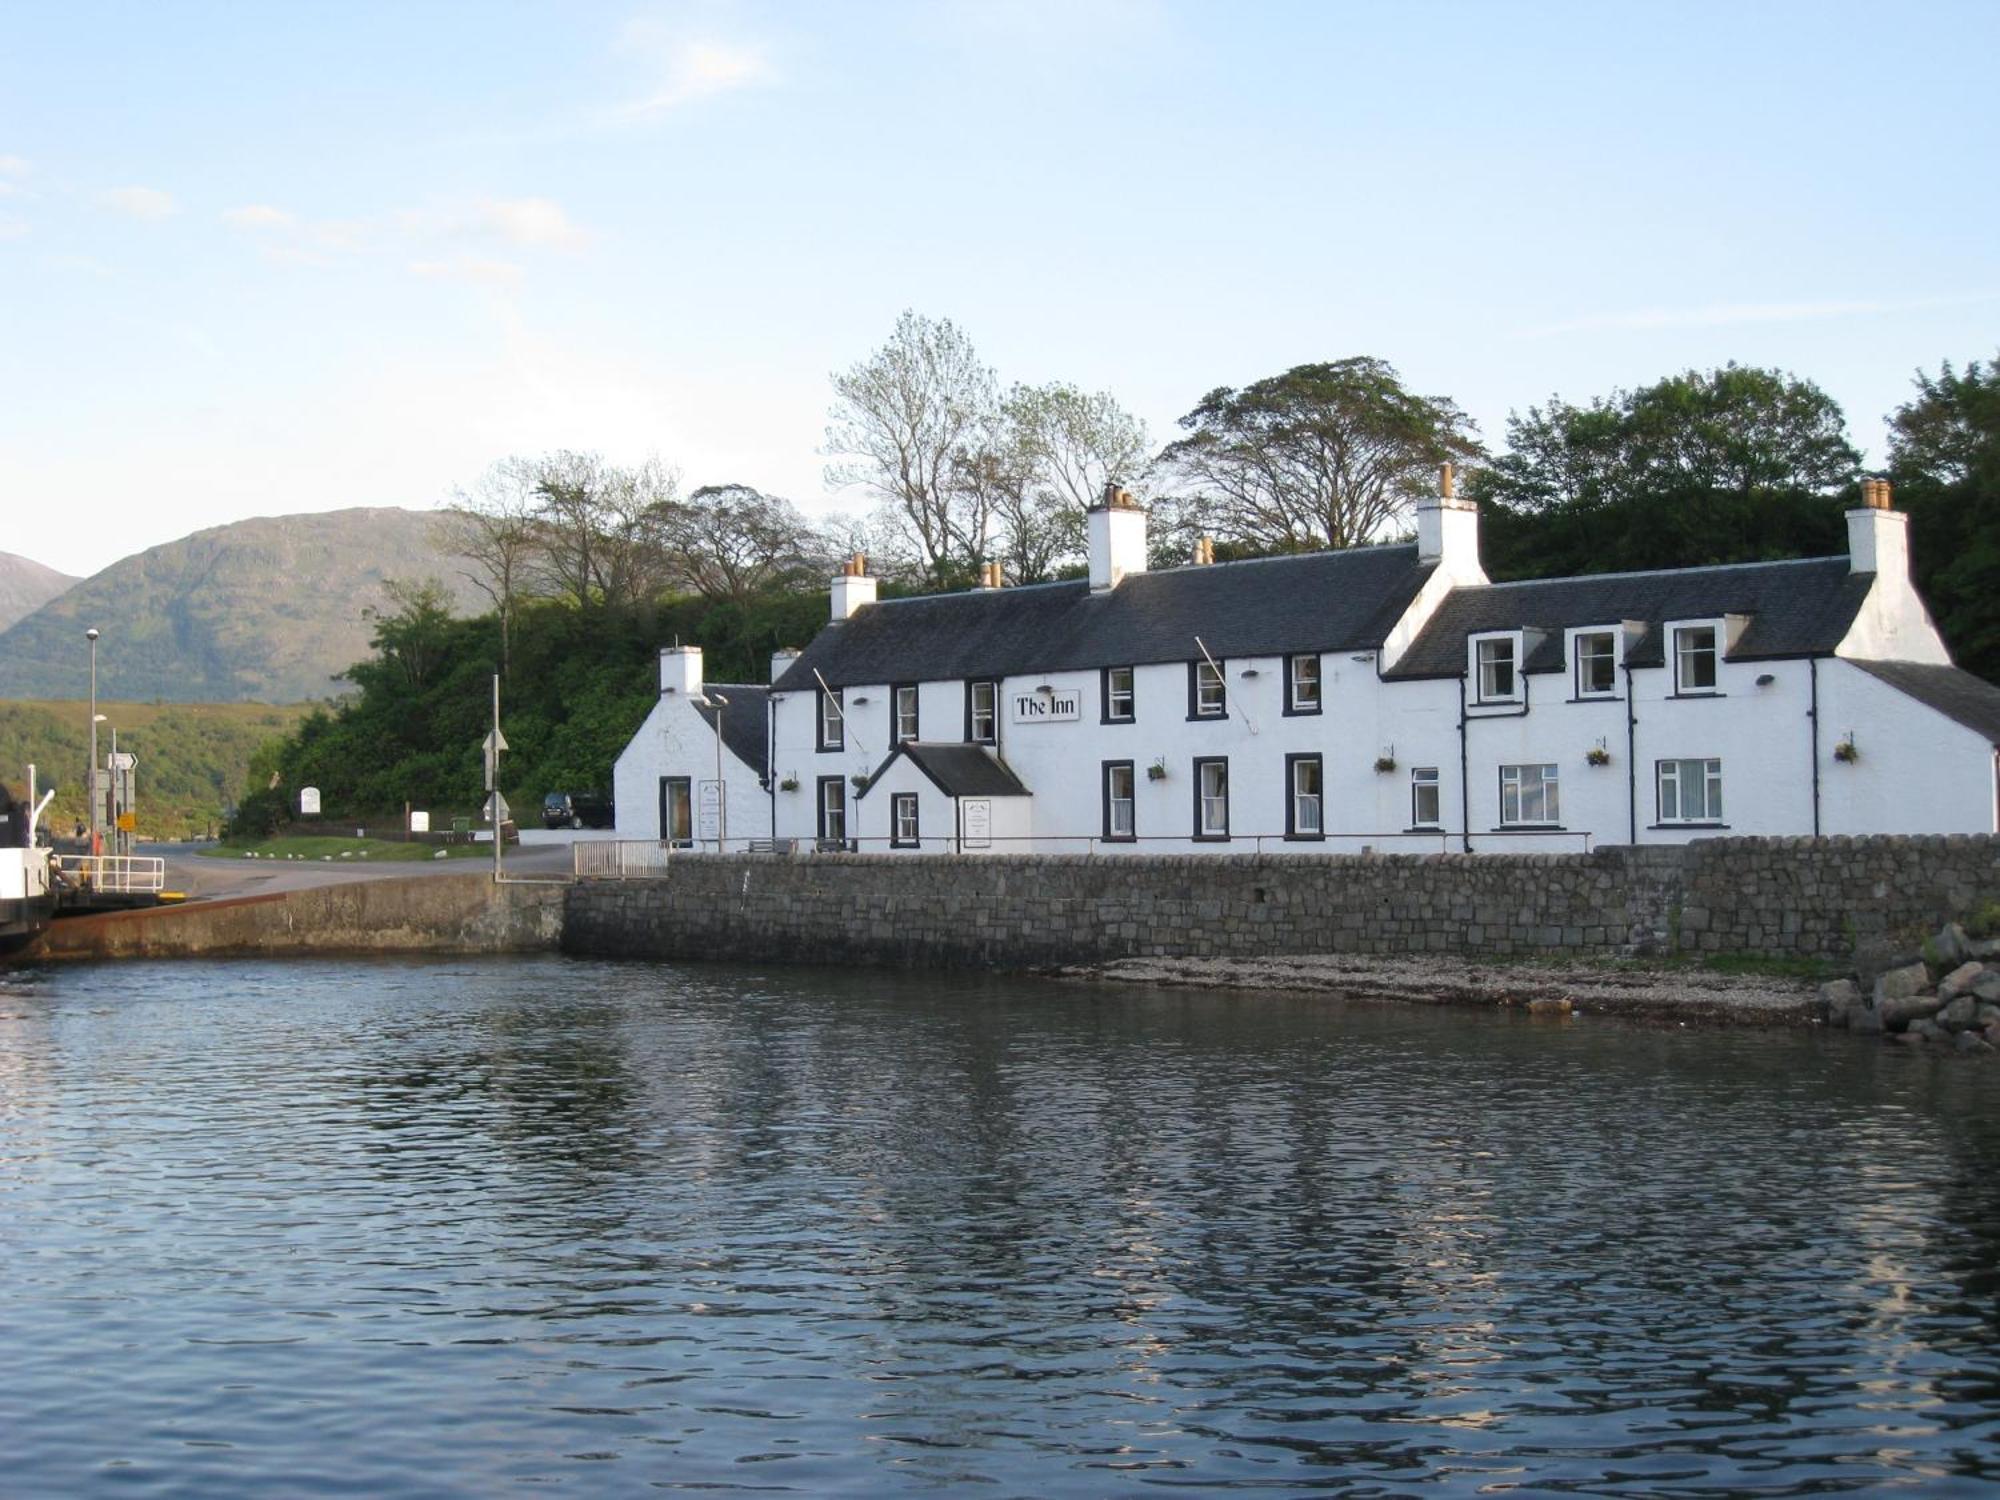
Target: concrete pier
418, 914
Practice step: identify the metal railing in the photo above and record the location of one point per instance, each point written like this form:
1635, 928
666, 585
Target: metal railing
117, 874
629, 859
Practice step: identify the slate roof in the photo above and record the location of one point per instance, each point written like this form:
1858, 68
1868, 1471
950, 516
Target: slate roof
957, 770
1315, 601
1801, 608
1959, 696
745, 722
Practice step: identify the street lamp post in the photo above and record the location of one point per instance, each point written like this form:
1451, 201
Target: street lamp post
91, 636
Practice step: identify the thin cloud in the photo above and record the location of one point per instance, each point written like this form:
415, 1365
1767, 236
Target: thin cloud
690, 71
259, 216
13, 166
538, 223
471, 269
1738, 314
13, 229
141, 202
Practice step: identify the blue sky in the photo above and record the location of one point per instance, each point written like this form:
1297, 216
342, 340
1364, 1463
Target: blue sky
268, 258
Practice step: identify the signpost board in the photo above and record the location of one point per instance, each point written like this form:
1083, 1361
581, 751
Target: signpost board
708, 812
308, 801
1061, 706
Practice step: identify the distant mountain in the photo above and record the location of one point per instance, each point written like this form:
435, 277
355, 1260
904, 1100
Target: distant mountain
25, 586
263, 611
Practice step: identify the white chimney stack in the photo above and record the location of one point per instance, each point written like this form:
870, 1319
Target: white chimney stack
680, 670
781, 661
1117, 526
853, 589
1448, 531
1878, 538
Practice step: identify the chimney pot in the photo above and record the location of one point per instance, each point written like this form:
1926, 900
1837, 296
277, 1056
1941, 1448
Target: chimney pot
1447, 483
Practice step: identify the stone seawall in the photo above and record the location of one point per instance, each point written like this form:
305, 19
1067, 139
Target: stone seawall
416, 914
1778, 898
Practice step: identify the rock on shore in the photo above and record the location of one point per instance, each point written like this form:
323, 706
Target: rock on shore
1946, 993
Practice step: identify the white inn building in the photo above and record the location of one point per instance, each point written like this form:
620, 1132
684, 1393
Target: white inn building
1381, 698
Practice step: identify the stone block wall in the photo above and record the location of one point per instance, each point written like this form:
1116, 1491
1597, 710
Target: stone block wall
1771, 897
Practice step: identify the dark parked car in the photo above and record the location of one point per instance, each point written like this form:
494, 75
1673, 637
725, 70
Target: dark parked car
576, 810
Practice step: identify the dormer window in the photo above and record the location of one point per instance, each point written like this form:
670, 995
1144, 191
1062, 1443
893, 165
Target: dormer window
1596, 663
1694, 659
1497, 667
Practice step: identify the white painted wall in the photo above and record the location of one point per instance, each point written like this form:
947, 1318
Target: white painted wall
674, 741
1917, 771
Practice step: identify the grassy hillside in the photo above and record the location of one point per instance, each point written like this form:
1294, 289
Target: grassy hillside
194, 758
267, 610
25, 586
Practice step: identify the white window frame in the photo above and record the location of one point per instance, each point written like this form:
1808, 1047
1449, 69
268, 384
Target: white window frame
1307, 818
1579, 685
1425, 779
1685, 654
1704, 772
1211, 691
832, 719
1209, 804
1485, 658
1517, 787
1114, 771
1120, 703
990, 713
900, 836
1297, 702
897, 712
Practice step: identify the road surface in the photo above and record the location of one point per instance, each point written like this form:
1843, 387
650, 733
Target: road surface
541, 852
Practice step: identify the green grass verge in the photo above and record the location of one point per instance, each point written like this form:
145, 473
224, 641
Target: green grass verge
346, 851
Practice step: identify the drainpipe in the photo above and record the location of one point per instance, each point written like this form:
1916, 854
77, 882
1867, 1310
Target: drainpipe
1631, 762
1813, 714
1464, 776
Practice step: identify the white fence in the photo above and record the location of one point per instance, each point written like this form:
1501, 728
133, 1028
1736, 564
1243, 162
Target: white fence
119, 874
620, 859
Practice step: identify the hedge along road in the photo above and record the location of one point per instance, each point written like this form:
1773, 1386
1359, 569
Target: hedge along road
542, 853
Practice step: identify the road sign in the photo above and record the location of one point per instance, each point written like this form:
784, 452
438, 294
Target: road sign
495, 741
502, 815
123, 760
308, 801
128, 822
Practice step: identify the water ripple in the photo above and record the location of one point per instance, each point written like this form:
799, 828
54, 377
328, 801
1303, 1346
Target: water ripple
453, 1229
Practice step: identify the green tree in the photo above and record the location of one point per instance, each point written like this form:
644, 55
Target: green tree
1324, 455
903, 424
1731, 465
1944, 460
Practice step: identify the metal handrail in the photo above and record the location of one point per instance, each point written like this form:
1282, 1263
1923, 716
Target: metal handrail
626, 859
122, 874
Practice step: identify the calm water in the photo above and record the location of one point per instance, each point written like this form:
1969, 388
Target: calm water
368, 1229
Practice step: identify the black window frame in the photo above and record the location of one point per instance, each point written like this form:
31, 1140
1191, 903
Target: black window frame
896, 691
686, 783
972, 683
1194, 708
1105, 715
896, 839
839, 700
844, 840
1292, 707
1198, 835
1292, 830
1131, 770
